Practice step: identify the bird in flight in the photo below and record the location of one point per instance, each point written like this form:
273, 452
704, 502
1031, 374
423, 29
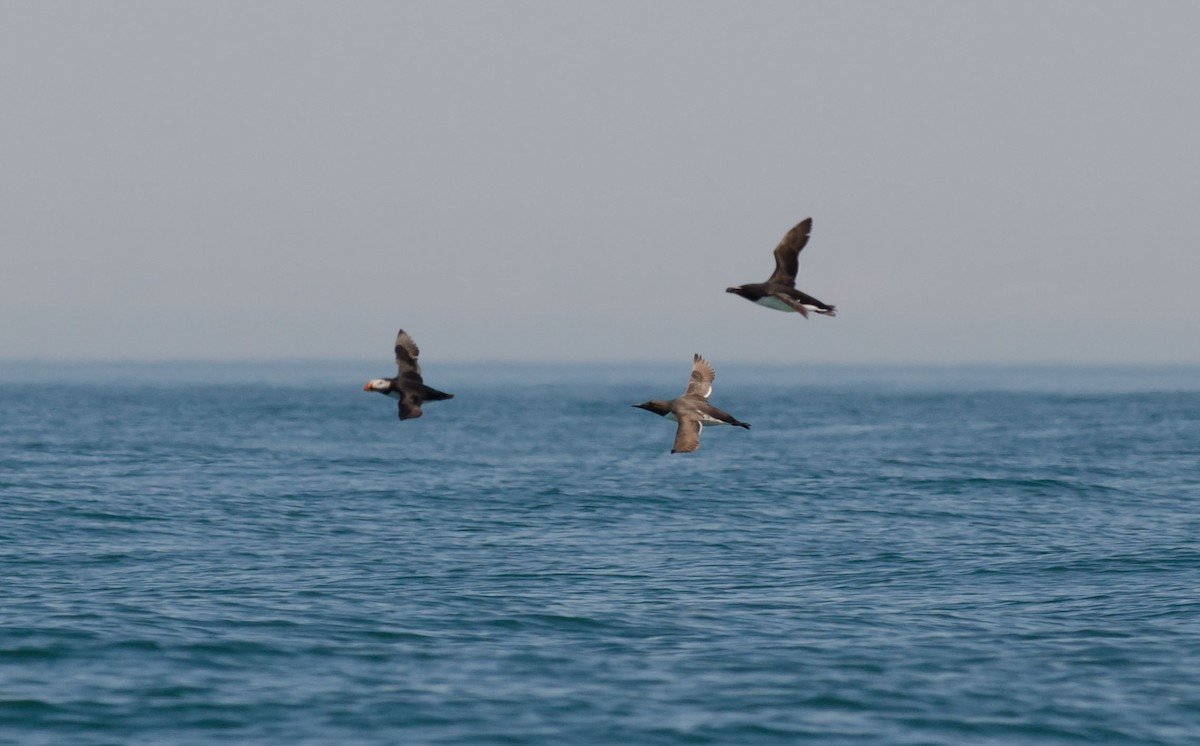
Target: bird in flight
691, 409
779, 291
407, 387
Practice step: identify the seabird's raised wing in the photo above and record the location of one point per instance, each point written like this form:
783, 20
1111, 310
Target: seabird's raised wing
702, 377
406, 357
787, 253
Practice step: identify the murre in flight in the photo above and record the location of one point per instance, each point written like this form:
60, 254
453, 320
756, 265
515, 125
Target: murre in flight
779, 291
407, 387
691, 409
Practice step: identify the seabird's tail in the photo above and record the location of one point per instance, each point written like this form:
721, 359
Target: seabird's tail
429, 394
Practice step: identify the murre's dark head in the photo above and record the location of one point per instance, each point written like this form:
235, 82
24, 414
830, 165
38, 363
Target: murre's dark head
657, 406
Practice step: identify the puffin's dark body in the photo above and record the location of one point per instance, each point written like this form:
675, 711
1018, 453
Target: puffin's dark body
407, 387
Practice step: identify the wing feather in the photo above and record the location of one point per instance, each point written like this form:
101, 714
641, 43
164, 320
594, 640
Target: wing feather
787, 253
795, 304
701, 381
410, 405
687, 435
406, 354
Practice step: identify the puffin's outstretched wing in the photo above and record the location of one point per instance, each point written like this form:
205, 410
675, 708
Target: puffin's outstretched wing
410, 404
406, 358
787, 253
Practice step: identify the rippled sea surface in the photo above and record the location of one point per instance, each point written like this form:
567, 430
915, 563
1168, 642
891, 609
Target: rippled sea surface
889, 556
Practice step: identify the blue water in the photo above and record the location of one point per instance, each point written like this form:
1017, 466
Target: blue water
202, 555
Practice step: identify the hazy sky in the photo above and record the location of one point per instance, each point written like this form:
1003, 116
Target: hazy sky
1015, 182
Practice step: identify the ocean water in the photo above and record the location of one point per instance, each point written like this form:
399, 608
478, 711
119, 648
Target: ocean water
265, 554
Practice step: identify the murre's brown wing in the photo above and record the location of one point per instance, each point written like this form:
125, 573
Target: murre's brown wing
787, 253
702, 377
687, 434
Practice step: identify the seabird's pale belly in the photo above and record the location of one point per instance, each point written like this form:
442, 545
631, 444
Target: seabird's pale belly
771, 301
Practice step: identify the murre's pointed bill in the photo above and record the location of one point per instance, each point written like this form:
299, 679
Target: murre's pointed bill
691, 408
407, 387
779, 291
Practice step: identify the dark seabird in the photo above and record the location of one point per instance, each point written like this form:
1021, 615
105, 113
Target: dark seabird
407, 387
779, 291
691, 409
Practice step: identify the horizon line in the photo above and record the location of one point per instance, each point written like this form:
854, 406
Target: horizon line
607, 363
